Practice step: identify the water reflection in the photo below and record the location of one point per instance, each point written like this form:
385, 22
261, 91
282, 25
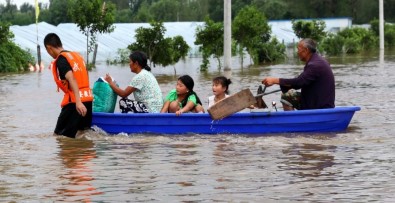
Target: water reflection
381, 61
308, 160
352, 166
186, 156
76, 156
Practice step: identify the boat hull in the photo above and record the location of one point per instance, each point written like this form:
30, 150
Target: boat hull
319, 120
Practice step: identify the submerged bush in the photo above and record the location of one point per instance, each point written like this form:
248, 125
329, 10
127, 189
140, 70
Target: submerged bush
121, 58
12, 57
349, 41
333, 44
268, 52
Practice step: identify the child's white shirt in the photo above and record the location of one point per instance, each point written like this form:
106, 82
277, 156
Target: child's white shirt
211, 101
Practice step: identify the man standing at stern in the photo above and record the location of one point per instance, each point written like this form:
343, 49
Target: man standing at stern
71, 76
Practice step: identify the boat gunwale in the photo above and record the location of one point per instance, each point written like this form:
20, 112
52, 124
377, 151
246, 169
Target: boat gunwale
337, 109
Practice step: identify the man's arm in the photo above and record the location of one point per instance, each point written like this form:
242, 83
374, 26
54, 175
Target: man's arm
269, 81
74, 87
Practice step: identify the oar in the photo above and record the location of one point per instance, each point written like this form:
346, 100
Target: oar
263, 94
232, 104
235, 103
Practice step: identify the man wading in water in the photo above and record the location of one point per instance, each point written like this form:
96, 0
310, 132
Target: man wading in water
71, 77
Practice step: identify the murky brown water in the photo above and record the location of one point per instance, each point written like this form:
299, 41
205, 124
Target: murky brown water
353, 166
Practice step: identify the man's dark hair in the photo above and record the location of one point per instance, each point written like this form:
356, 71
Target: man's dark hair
53, 40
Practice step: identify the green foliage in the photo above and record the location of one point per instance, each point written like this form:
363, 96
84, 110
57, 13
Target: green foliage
165, 10
264, 52
148, 39
179, 48
389, 36
12, 57
143, 13
309, 29
216, 8
160, 50
389, 32
5, 34
122, 58
92, 16
361, 11
349, 41
274, 9
24, 19
357, 39
26, 8
121, 4
250, 29
123, 16
210, 37
374, 27
60, 12
351, 46
333, 44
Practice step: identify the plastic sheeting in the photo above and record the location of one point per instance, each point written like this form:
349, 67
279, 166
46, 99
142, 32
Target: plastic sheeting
108, 44
124, 34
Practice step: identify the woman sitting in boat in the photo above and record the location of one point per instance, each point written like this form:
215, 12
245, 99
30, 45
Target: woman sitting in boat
182, 99
144, 86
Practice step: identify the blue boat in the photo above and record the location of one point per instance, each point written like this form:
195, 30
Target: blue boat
318, 120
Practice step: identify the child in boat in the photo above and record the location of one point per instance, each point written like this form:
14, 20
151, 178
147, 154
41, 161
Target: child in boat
220, 90
182, 99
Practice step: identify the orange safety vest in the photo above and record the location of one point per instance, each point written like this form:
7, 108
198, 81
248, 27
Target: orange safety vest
80, 74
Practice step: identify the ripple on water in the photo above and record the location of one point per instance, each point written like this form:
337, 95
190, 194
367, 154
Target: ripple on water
351, 166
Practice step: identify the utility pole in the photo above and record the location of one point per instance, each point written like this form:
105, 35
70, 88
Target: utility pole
381, 31
381, 23
227, 34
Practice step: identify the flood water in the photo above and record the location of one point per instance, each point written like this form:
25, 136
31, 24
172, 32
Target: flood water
357, 165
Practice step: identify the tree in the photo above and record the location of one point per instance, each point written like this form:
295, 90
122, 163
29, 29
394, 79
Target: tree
275, 9
350, 41
309, 29
251, 32
92, 17
165, 10
123, 16
26, 7
12, 57
389, 32
143, 14
211, 38
5, 33
8, 12
160, 50
149, 39
59, 12
357, 39
121, 4
270, 51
